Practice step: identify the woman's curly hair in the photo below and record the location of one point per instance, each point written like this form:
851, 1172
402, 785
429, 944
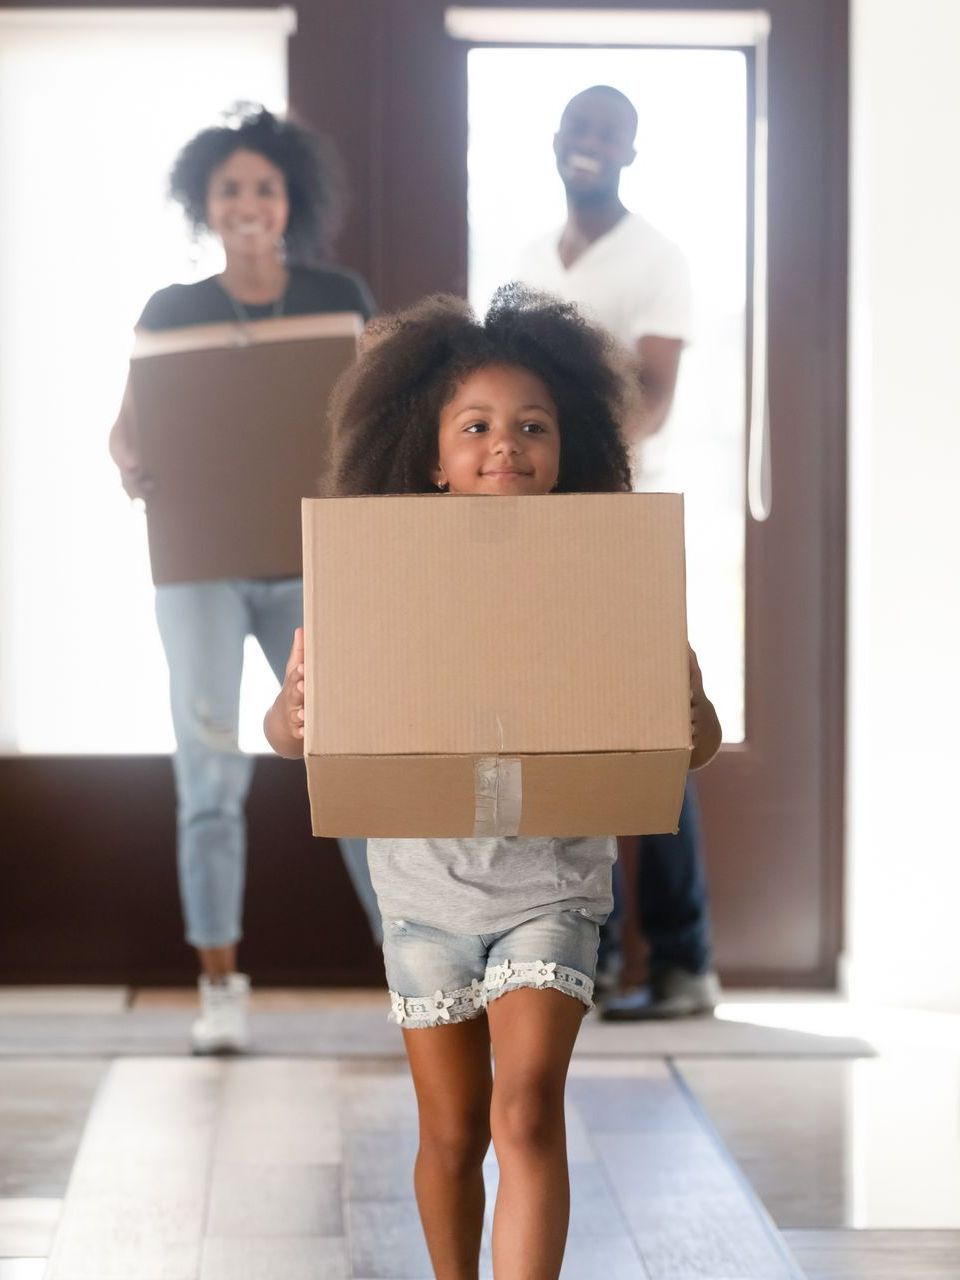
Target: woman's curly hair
307, 162
385, 410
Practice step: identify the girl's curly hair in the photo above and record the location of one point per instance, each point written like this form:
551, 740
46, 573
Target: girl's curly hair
385, 410
307, 162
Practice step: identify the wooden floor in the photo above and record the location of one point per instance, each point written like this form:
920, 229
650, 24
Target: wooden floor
261, 1169
703, 1167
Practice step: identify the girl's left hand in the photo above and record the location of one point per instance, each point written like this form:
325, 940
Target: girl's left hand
704, 725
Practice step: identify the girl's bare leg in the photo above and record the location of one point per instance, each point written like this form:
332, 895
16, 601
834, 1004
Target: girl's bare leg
533, 1033
452, 1078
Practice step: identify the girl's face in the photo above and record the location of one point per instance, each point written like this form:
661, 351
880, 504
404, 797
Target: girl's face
247, 204
499, 434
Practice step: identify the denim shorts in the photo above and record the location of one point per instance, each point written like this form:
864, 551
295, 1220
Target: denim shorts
436, 977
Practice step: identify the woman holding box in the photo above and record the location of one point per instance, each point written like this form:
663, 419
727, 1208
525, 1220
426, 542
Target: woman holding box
490, 944
264, 188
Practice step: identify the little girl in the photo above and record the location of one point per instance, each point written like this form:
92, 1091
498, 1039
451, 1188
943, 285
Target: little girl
490, 944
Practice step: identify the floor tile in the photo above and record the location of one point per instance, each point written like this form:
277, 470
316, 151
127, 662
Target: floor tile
27, 1227
275, 1200
136, 1199
868, 1144
711, 1037
877, 1255
358, 1028
590, 1258
378, 1101
378, 1165
267, 999
279, 1112
43, 1109
71, 1001
274, 1258
386, 1242
624, 1106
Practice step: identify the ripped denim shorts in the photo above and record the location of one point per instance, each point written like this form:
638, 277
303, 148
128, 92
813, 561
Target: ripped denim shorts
436, 977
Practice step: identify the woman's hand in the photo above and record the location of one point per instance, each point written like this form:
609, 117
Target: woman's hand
704, 725
284, 722
135, 483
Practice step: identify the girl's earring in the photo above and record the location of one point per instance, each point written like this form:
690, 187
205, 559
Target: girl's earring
442, 485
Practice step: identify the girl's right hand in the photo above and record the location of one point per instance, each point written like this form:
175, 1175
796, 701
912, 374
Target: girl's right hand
291, 694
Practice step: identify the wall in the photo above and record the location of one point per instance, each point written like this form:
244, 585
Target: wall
903, 877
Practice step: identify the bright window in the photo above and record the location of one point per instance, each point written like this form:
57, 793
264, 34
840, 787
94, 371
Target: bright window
690, 181
94, 106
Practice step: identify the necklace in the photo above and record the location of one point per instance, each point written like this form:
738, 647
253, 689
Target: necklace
243, 338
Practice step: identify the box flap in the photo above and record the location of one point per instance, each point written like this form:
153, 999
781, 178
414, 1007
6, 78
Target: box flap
637, 793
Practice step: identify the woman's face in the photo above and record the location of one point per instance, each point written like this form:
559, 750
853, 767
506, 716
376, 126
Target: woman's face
247, 205
499, 434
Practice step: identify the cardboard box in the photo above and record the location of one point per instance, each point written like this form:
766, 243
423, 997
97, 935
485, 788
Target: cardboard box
230, 424
496, 666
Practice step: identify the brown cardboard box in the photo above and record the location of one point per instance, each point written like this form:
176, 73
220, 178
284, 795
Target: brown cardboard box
496, 666
230, 425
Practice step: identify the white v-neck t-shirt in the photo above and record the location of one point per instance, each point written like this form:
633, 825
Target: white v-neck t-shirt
633, 281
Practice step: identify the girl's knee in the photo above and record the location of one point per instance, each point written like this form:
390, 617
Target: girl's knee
457, 1144
528, 1116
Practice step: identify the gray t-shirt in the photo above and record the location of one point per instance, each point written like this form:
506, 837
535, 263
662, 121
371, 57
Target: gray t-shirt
488, 885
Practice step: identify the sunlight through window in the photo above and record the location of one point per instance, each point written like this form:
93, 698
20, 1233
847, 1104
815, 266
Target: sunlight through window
690, 181
93, 108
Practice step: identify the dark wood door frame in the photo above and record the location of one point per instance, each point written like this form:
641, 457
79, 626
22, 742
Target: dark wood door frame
87, 846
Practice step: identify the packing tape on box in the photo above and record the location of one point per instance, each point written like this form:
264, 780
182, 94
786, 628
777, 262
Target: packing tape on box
498, 796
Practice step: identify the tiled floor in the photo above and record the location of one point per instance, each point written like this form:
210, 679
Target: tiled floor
298, 1167
353, 1024
877, 1255
198, 1170
43, 1108
866, 1144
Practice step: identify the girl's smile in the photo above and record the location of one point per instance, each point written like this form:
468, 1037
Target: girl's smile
499, 433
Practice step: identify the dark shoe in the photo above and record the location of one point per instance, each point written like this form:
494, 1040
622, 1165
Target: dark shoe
673, 993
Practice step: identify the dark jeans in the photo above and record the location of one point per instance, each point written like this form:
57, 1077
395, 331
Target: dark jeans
673, 909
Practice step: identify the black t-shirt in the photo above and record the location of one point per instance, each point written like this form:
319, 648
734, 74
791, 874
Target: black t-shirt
310, 291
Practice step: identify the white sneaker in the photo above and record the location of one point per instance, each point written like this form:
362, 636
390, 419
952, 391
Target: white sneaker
222, 1025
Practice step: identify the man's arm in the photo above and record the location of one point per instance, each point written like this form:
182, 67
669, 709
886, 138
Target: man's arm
283, 723
659, 362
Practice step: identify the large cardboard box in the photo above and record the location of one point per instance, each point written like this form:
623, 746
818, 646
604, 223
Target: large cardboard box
496, 666
230, 424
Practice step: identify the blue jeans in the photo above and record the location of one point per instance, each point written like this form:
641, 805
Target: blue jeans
203, 626
673, 908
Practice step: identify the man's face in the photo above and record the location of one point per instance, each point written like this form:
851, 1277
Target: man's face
594, 142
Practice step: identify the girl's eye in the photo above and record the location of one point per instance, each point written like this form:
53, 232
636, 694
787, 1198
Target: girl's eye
476, 427
534, 427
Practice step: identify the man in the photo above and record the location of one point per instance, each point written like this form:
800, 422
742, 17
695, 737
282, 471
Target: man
631, 279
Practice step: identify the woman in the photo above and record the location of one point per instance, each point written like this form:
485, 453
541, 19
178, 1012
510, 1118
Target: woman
263, 187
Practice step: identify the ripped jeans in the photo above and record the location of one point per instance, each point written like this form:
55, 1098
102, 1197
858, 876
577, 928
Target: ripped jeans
203, 626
